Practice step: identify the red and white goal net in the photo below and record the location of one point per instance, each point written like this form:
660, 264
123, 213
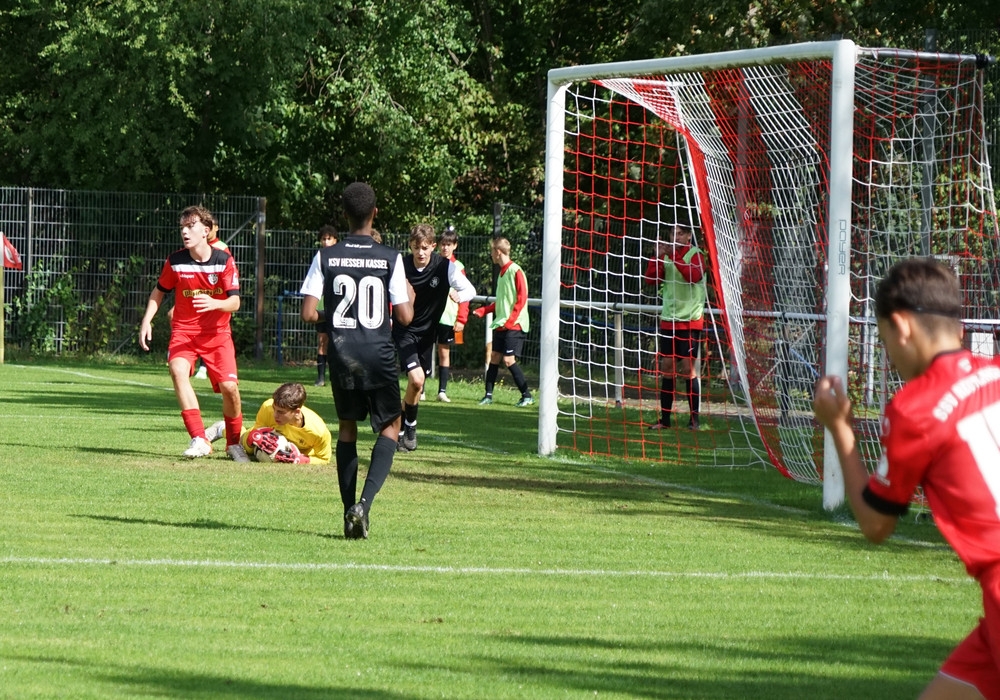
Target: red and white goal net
805, 172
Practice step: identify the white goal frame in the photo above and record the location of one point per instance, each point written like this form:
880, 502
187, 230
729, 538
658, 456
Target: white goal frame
843, 57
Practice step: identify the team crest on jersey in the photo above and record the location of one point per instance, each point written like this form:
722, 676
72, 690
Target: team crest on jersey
434, 282
213, 278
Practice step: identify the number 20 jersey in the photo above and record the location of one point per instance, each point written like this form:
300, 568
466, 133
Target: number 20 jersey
942, 431
358, 279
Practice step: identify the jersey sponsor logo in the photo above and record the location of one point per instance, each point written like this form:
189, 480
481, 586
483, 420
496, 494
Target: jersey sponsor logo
198, 292
363, 263
963, 389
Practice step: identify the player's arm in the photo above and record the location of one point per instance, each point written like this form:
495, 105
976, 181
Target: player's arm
146, 326
833, 410
692, 270
203, 303
312, 291
654, 267
310, 314
401, 294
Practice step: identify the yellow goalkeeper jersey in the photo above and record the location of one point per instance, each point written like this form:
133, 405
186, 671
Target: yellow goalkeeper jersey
313, 439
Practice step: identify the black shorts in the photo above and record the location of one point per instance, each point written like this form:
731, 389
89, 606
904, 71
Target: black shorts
414, 350
508, 343
445, 334
680, 343
382, 405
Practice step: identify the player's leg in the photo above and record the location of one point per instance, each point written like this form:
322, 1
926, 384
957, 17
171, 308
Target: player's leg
688, 368
445, 337
219, 356
182, 359
512, 347
496, 357
321, 349
351, 407
409, 349
385, 420
666, 357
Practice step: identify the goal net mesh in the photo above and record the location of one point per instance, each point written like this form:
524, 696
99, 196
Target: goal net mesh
742, 156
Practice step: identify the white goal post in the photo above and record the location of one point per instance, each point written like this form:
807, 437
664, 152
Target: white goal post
805, 170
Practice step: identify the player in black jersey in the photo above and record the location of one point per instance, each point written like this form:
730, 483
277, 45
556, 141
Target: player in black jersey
358, 280
433, 278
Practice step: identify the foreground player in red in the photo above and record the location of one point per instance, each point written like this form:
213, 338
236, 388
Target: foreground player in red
206, 289
940, 431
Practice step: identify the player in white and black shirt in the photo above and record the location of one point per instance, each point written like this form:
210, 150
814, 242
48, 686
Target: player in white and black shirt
360, 281
433, 279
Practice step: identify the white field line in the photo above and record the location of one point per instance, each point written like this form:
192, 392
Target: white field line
481, 570
576, 463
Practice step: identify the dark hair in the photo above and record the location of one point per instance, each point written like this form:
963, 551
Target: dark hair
449, 236
201, 213
359, 203
923, 286
327, 230
290, 396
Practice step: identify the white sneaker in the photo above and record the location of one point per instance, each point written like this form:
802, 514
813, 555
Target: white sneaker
202, 373
216, 431
237, 453
443, 397
200, 447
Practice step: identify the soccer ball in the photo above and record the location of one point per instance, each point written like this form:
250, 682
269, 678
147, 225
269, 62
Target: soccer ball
267, 443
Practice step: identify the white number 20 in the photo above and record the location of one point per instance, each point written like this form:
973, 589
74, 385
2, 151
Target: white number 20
366, 297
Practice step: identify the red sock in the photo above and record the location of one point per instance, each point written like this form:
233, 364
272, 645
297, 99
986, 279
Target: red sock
234, 426
193, 423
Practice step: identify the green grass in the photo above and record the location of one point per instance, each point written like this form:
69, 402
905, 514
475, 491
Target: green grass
127, 571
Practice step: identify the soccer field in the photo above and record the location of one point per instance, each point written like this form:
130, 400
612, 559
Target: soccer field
128, 571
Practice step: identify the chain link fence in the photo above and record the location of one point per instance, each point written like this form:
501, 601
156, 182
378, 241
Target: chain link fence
90, 260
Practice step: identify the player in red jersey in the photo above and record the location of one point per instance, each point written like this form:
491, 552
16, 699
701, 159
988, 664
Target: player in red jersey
940, 431
206, 288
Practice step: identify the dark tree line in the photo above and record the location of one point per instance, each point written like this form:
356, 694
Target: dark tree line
440, 104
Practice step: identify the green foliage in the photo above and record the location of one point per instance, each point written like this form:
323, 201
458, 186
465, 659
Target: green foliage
49, 298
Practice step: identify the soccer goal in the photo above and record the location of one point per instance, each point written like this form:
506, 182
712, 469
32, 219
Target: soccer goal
805, 171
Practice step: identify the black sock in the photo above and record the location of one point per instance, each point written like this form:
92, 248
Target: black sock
519, 379
694, 395
491, 378
410, 413
321, 367
382, 453
347, 472
443, 373
666, 399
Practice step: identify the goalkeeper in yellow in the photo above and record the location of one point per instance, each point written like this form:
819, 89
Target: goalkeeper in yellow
285, 430
679, 271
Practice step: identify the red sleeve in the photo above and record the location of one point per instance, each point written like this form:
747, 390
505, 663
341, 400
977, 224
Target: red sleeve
654, 272
463, 313
231, 278
168, 278
693, 270
521, 285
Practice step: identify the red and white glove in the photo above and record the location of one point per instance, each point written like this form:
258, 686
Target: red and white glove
289, 453
480, 312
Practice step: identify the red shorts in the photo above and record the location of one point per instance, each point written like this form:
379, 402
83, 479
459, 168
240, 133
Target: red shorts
976, 660
215, 350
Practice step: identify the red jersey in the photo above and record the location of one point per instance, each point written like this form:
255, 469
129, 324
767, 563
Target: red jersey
942, 431
187, 278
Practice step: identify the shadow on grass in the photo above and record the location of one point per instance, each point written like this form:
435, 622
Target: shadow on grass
888, 667
168, 683
884, 666
203, 524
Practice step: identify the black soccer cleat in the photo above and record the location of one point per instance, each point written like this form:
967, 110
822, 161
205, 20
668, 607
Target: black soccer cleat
356, 523
408, 440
